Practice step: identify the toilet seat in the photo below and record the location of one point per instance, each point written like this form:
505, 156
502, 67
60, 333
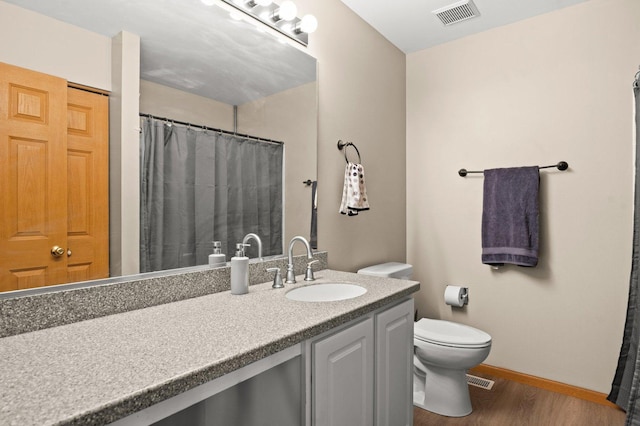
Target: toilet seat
447, 333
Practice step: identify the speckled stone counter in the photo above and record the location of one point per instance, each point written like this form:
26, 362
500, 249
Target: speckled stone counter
99, 370
36, 309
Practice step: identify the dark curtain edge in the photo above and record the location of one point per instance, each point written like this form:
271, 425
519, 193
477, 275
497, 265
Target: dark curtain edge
618, 396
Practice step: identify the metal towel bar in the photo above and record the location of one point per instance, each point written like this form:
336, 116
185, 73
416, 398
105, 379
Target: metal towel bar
562, 165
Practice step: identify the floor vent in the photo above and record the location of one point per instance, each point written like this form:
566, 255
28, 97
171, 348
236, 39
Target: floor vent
480, 382
457, 12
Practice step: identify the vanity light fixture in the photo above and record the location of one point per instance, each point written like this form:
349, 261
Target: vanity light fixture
279, 17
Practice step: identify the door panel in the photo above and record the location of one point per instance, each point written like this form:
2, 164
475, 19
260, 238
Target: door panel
29, 178
29, 104
394, 366
32, 178
342, 377
88, 190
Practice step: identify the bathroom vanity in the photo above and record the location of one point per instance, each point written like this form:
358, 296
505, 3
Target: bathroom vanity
204, 358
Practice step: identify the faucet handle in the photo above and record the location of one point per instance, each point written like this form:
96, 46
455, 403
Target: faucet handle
308, 276
277, 278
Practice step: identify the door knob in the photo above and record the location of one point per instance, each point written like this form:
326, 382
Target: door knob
57, 251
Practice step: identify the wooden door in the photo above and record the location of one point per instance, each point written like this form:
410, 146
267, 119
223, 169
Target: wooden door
33, 180
36, 163
87, 186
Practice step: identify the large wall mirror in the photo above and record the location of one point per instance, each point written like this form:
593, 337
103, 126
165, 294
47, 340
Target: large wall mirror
201, 67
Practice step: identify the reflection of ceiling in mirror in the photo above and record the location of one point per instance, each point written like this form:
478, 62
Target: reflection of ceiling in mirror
192, 47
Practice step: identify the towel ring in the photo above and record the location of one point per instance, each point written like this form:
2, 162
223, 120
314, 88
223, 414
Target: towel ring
343, 145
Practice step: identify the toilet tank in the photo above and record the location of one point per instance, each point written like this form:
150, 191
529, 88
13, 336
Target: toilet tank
402, 271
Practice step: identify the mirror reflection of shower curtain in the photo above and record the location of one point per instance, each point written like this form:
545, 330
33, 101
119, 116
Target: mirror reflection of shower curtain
200, 186
625, 388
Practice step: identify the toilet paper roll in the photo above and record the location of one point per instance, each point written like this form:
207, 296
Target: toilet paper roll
455, 295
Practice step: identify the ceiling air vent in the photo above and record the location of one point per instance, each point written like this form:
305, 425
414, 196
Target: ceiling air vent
457, 12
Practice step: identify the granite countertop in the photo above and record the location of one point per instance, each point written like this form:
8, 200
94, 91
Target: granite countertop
103, 369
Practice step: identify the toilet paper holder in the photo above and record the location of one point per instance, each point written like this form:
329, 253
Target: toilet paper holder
465, 296
456, 296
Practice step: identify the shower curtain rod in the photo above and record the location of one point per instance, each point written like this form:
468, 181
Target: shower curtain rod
213, 129
562, 165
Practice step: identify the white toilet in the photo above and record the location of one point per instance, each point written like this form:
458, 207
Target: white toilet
443, 352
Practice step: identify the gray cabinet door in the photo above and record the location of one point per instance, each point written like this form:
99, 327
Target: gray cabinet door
343, 377
394, 366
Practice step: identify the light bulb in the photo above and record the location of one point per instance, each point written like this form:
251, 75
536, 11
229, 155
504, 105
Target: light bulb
308, 24
287, 10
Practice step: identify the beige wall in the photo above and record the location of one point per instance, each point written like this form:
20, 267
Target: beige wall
554, 87
124, 156
361, 97
163, 101
39, 43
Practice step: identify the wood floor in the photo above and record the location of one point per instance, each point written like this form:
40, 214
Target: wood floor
515, 404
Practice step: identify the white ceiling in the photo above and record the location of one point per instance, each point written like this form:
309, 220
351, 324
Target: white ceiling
192, 47
410, 25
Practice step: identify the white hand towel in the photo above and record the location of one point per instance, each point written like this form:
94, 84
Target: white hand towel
354, 192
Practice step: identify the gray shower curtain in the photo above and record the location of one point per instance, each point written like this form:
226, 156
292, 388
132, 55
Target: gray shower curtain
626, 383
200, 186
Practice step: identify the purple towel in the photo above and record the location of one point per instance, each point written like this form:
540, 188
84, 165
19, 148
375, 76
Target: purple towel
510, 213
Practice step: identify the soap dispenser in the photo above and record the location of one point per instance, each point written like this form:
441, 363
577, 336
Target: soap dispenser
240, 271
217, 259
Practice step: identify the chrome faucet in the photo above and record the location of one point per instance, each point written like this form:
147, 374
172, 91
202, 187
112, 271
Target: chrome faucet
257, 238
291, 277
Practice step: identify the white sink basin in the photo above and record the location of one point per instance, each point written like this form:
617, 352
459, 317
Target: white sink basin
325, 292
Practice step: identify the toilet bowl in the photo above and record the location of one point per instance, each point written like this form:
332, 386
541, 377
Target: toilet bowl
443, 352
